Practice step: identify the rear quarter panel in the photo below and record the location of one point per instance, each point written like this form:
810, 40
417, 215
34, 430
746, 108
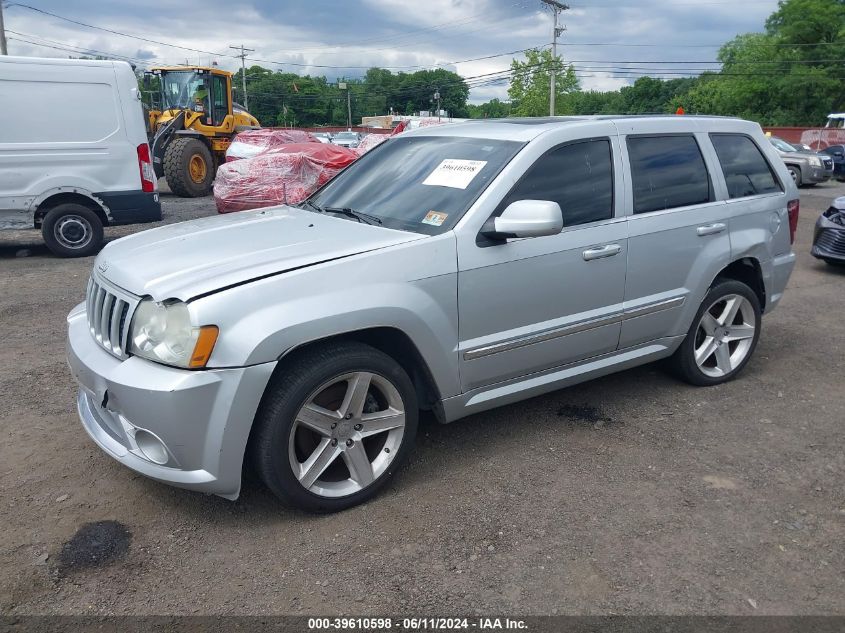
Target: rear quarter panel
760, 224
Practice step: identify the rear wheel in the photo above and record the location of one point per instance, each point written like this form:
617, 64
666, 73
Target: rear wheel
72, 230
722, 337
334, 427
188, 168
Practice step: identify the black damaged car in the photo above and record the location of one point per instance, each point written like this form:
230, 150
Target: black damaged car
837, 153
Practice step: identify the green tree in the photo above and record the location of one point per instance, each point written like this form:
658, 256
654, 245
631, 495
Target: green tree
531, 79
789, 75
493, 109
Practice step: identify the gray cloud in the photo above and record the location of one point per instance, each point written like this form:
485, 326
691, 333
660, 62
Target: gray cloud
333, 37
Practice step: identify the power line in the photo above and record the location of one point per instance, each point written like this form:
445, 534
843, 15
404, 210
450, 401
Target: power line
243, 70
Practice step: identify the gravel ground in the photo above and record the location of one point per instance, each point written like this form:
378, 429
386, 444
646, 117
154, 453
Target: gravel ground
632, 494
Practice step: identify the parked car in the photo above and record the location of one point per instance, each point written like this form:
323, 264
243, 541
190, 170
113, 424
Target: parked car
806, 168
74, 157
837, 153
323, 137
829, 235
454, 269
346, 139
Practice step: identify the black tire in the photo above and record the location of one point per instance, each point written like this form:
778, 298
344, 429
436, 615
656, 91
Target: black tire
795, 172
682, 362
178, 158
838, 263
290, 390
72, 230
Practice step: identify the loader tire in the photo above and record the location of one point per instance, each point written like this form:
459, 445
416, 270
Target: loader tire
188, 168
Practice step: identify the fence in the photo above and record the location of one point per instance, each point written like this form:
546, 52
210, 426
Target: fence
335, 130
816, 137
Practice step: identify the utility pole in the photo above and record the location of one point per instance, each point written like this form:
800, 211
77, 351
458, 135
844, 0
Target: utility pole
557, 8
437, 98
3, 50
243, 51
344, 86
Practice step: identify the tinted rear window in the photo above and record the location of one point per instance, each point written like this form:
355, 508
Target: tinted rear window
747, 172
667, 172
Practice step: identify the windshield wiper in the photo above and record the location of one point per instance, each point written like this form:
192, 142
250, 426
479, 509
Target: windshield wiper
366, 218
316, 208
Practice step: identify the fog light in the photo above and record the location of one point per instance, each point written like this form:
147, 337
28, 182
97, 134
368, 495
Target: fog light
151, 447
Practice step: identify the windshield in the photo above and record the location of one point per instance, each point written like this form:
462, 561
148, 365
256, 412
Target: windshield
782, 145
183, 89
346, 135
422, 184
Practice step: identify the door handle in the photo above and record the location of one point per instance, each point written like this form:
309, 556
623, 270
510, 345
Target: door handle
608, 250
711, 229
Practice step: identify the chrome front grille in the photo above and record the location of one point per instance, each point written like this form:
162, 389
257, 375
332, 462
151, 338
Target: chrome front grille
109, 311
828, 163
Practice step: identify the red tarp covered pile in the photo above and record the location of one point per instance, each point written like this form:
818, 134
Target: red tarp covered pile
369, 142
284, 175
253, 142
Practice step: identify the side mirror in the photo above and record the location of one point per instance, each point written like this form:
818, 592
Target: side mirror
525, 218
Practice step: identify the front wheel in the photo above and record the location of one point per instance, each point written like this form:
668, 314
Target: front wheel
796, 175
188, 167
334, 427
722, 337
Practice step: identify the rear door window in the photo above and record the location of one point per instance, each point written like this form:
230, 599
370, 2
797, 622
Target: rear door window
747, 172
578, 176
667, 172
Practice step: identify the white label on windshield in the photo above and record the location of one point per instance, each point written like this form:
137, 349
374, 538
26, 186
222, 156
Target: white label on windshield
455, 172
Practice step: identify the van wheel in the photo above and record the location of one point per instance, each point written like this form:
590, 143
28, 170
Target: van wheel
722, 337
334, 427
72, 230
188, 168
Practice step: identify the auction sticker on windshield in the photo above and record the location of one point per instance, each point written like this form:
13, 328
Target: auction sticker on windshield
435, 218
455, 172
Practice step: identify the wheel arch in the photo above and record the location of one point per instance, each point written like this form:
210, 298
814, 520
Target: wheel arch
749, 271
394, 343
42, 205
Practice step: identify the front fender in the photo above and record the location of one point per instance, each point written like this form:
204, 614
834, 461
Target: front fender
261, 321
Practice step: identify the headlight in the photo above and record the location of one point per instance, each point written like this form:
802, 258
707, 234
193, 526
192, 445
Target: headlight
163, 332
815, 161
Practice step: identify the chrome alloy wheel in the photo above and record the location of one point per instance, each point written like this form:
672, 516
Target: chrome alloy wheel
346, 434
724, 335
73, 231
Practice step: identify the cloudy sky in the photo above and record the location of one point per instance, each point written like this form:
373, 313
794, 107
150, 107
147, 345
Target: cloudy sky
610, 43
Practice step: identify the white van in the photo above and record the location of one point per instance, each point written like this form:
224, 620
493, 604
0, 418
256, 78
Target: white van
73, 151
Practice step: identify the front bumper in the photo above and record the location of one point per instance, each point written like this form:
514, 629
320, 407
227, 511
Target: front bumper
813, 175
187, 428
828, 240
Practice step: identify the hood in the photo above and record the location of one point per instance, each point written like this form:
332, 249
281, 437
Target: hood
791, 154
189, 259
802, 155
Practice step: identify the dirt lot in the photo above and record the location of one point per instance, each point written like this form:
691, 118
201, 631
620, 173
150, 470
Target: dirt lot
630, 494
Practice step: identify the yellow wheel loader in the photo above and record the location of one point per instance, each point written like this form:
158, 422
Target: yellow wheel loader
191, 122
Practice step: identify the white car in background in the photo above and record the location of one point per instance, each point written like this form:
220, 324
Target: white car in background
347, 139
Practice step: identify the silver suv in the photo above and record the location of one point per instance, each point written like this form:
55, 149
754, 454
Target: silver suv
452, 269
